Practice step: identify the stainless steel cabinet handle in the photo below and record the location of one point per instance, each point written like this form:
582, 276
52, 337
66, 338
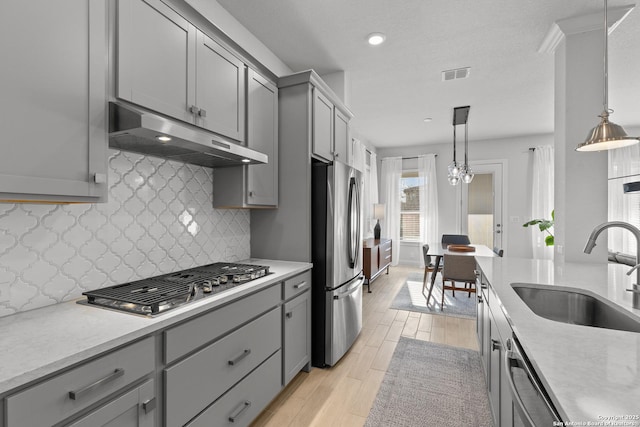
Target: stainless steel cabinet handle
289, 314
202, 113
240, 357
498, 232
149, 405
300, 285
495, 345
243, 407
77, 394
480, 300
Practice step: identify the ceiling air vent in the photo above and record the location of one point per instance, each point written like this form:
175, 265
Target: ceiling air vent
458, 73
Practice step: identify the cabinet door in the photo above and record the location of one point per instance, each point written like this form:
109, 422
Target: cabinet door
133, 409
53, 100
341, 137
220, 89
322, 144
156, 58
262, 111
297, 335
495, 363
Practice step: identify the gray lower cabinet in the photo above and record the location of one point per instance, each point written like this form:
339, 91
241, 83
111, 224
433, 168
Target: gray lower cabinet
244, 402
296, 335
70, 393
53, 106
254, 186
493, 331
135, 408
166, 64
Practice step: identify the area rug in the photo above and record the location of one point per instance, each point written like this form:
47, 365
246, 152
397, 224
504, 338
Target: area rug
429, 384
410, 298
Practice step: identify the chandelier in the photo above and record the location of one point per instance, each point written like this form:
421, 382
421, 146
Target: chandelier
460, 172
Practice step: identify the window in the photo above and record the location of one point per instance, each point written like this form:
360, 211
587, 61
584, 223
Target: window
410, 206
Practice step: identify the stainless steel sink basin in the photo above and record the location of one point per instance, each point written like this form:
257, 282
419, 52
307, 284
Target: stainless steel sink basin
575, 307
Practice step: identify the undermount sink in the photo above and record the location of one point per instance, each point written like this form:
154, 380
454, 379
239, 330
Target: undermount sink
575, 307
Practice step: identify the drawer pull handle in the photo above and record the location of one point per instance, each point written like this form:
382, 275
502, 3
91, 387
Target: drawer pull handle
387, 250
243, 407
300, 285
149, 405
77, 394
289, 314
240, 357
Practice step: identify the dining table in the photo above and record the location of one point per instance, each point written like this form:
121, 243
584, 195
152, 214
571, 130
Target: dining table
439, 249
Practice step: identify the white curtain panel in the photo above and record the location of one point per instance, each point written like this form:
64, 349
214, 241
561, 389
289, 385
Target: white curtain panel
373, 190
625, 164
428, 200
542, 198
390, 196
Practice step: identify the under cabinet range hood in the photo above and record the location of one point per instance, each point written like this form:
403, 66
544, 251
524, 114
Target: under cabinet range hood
146, 133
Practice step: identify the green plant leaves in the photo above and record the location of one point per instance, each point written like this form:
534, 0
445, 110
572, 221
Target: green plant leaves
549, 240
544, 225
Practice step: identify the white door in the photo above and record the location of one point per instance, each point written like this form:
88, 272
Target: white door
481, 204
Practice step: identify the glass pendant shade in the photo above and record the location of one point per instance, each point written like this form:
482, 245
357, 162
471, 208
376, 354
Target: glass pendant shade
467, 175
453, 179
453, 168
606, 136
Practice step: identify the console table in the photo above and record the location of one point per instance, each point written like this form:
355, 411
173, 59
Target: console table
376, 257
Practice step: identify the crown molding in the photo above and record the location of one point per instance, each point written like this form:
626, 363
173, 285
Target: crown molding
582, 24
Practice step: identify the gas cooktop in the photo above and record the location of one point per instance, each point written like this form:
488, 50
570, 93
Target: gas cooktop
157, 295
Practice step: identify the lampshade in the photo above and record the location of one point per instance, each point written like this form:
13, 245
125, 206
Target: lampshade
606, 136
378, 211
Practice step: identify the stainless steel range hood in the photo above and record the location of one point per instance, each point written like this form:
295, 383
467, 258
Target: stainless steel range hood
134, 130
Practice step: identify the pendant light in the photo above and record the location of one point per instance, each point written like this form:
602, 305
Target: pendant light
454, 168
460, 172
607, 135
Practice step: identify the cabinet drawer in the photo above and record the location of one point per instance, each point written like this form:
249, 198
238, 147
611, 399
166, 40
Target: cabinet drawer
194, 383
246, 400
195, 333
386, 252
296, 285
51, 401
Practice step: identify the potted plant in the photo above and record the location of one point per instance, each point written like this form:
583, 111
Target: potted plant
544, 225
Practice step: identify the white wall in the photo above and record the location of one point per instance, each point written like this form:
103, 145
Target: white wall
517, 192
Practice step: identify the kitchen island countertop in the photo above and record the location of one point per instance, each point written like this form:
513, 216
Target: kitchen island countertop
37, 343
590, 373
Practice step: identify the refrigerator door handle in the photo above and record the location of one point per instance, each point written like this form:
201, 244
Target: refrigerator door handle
353, 230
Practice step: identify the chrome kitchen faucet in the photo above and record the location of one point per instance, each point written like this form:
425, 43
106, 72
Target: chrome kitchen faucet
591, 243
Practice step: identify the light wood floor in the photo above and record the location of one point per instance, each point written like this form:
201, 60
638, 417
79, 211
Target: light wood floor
343, 394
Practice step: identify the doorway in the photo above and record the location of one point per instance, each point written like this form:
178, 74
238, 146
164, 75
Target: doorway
481, 204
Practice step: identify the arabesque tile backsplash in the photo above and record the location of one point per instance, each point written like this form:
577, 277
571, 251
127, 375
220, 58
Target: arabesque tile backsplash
159, 219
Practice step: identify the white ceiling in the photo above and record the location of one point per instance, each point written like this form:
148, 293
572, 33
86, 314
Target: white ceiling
394, 86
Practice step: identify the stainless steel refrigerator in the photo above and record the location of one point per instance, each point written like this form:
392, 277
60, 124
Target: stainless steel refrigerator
336, 218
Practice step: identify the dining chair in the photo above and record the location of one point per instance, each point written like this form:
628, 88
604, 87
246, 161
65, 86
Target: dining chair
458, 268
498, 251
456, 239
429, 267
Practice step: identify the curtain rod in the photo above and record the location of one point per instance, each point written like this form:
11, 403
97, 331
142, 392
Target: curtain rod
532, 148
415, 157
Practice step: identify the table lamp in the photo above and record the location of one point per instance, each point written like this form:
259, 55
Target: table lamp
378, 213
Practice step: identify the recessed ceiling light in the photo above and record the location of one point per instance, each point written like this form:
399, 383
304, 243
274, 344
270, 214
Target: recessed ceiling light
163, 138
375, 39
428, 119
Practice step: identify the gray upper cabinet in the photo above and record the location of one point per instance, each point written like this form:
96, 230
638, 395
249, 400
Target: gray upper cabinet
220, 89
156, 58
322, 126
53, 104
167, 65
254, 185
341, 140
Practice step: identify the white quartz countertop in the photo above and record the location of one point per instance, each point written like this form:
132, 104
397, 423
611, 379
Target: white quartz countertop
39, 342
589, 372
